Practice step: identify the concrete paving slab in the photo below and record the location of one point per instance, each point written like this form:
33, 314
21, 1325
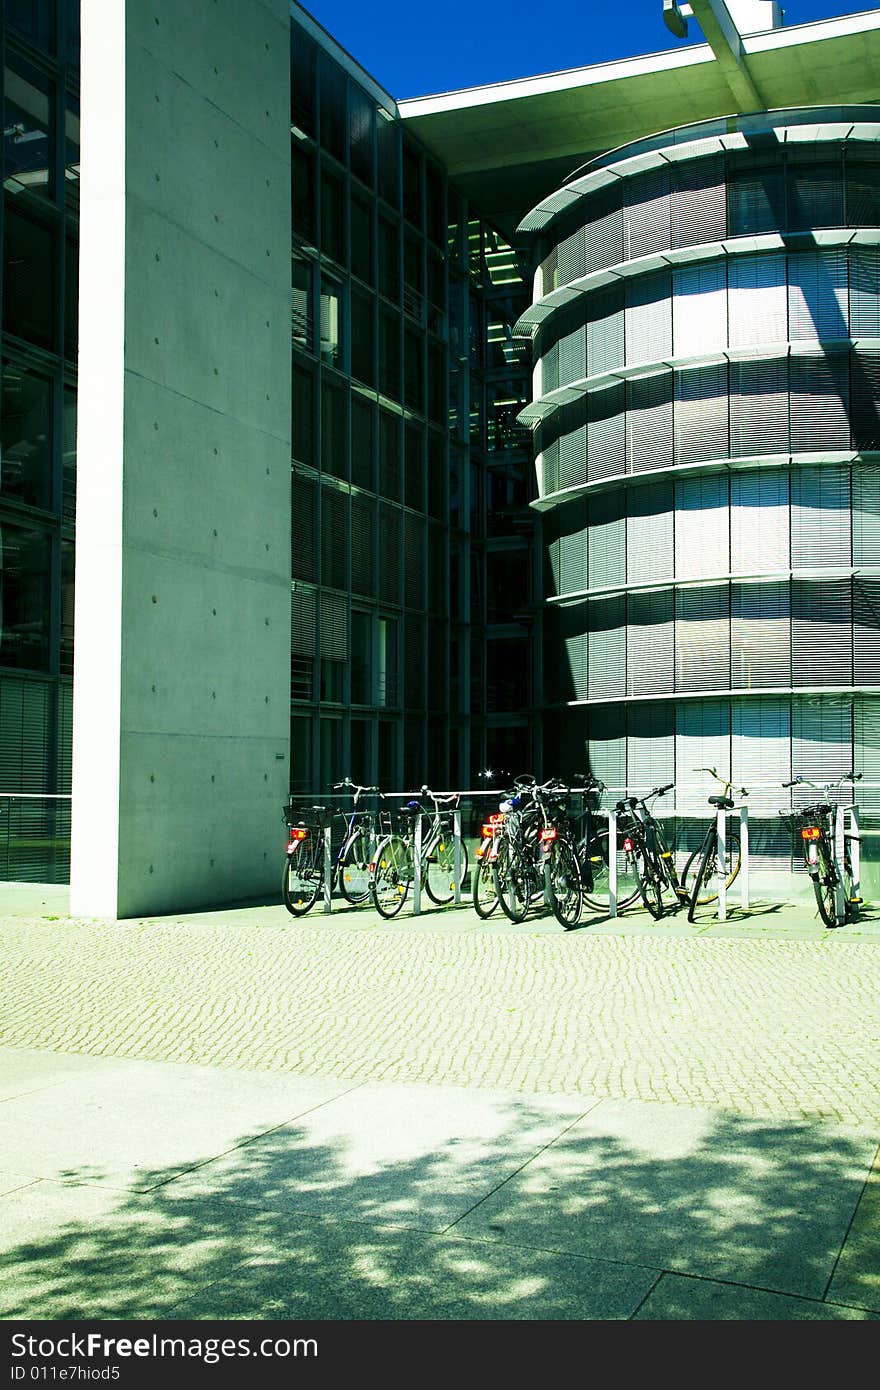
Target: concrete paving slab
27, 1069
11, 1182
135, 1124
403, 1155
342, 1271
705, 1192
857, 1275
678, 1298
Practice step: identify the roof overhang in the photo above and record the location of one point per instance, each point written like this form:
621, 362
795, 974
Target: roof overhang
509, 144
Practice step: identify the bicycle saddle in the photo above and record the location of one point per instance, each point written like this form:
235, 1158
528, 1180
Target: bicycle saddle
721, 802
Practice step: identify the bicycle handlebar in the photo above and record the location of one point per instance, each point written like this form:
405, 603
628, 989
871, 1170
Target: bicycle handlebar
800, 781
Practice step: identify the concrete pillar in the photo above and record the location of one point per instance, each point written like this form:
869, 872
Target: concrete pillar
182, 622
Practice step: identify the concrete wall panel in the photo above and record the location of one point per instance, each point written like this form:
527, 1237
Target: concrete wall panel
182, 667
233, 53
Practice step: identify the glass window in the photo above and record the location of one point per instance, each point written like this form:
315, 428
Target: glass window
412, 185
71, 298
301, 754
29, 279
413, 371
436, 213
363, 343
361, 762
387, 692
413, 279
332, 107
362, 240
507, 585
303, 416
436, 383
389, 353
35, 21
24, 598
508, 670
303, 54
389, 158
502, 349
67, 575
361, 658
505, 399
334, 430
389, 260
332, 220
302, 313
415, 468
500, 259
71, 159
26, 436
28, 146
302, 178
331, 322
361, 124
68, 455
389, 456
362, 448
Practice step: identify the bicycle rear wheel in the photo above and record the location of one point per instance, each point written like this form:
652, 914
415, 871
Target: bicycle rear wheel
354, 870
564, 880
303, 875
650, 885
484, 890
391, 875
706, 874
627, 876
825, 888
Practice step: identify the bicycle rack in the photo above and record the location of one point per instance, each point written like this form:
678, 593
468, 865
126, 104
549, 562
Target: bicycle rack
721, 824
841, 837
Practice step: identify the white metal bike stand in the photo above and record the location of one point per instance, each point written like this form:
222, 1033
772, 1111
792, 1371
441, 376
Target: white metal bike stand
721, 862
612, 863
417, 868
328, 872
456, 857
744, 857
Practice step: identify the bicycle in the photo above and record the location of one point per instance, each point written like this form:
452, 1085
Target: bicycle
592, 847
484, 889
304, 864
392, 868
703, 862
652, 859
833, 881
536, 855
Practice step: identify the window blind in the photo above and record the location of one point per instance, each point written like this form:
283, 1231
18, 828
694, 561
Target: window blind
821, 632
648, 319
649, 534
650, 660
759, 521
760, 635
702, 526
649, 423
759, 412
820, 517
757, 298
818, 296
699, 309
702, 638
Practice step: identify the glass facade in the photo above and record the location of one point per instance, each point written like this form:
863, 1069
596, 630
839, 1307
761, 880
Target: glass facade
39, 238
412, 549
707, 447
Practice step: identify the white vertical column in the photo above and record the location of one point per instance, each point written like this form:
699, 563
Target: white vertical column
612, 863
744, 886
721, 827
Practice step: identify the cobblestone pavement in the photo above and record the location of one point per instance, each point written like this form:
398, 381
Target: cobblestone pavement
766, 1026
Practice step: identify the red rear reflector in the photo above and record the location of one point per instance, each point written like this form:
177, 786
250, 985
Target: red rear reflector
497, 818
628, 845
488, 831
811, 832
549, 834
299, 832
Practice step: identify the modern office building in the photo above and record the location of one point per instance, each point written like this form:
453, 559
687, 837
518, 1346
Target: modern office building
534, 424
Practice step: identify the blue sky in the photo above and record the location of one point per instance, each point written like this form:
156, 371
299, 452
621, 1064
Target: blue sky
413, 49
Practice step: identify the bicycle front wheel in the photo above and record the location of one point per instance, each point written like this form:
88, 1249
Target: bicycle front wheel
303, 876
391, 875
439, 877
354, 871
627, 876
564, 880
701, 891
709, 886
511, 883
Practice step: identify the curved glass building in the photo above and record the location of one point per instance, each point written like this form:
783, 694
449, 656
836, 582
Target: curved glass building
706, 330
